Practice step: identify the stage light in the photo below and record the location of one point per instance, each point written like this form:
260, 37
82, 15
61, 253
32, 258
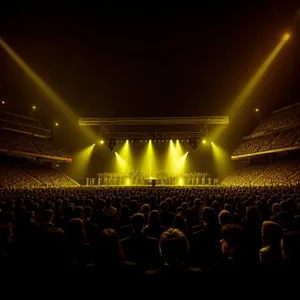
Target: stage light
180, 181
3, 102
204, 142
212, 143
286, 36
256, 109
33, 107
127, 181
101, 142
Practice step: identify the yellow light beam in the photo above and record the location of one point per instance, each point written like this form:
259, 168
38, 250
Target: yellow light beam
240, 99
149, 161
80, 164
255, 79
56, 100
221, 160
178, 148
125, 153
171, 158
122, 165
181, 162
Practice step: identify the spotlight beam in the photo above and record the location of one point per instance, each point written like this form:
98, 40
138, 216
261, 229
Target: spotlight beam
122, 165
252, 84
54, 97
255, 79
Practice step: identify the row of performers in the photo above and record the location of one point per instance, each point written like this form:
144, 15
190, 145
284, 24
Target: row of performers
137, 180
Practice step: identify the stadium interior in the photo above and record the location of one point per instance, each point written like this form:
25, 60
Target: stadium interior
140, 197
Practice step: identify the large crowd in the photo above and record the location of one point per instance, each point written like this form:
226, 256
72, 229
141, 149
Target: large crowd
267, 142
11, 140
19, 133
32, 176
280, 173
273, 137
280, 118
150, 231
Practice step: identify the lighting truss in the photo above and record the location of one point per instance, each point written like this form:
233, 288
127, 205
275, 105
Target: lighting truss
209, 120
135, 129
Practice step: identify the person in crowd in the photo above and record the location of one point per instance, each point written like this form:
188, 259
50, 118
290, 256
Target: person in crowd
92, 230
78, 250
235, 249
154, 229
166, 217
109, 256
271, 254
290, 245
109, 209
179, 223
174, 249
145, 210
139, 248
225, 217
205, 243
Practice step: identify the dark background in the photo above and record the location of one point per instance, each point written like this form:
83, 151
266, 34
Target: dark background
167, 59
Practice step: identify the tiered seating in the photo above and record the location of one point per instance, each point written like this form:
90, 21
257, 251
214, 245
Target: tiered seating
286, 139
27, 143
279, 173
24, 124
244, 176
20, 119
32, 176
50, 177
262, 143
18, 141
281, 118
11, 176
272, 140
48, 147
262, 174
